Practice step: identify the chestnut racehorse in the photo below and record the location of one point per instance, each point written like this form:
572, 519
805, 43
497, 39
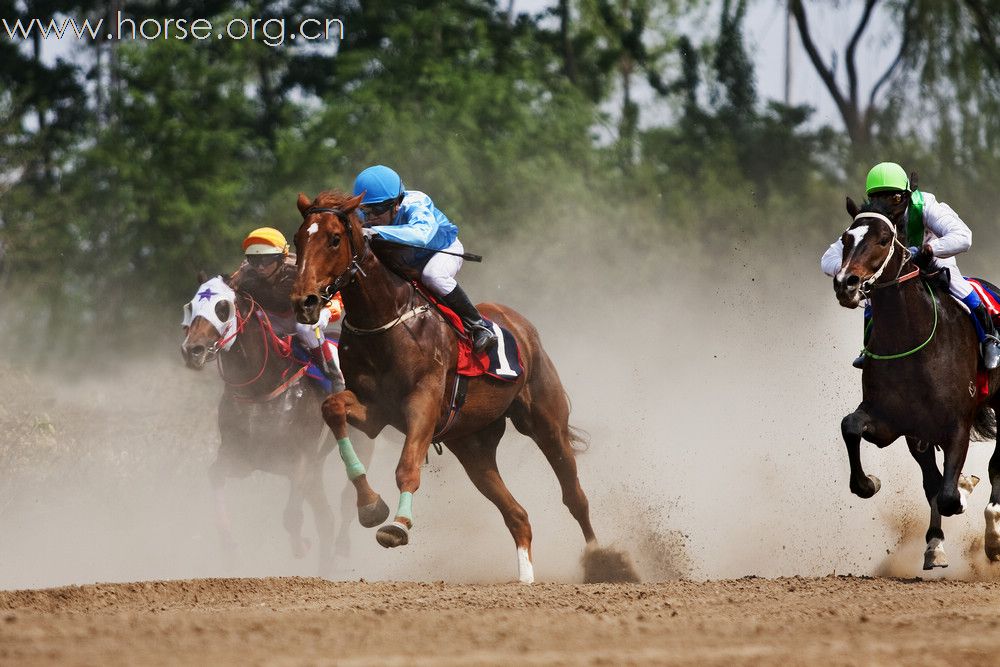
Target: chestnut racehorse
265, 423
398, 357
920, 376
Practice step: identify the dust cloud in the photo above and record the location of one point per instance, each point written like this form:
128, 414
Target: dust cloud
712, 385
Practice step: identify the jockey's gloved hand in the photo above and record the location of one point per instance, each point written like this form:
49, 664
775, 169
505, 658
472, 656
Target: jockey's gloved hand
920, 256
369, 232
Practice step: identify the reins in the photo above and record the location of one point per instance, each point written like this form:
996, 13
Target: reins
870, 284
885, 357
267, 335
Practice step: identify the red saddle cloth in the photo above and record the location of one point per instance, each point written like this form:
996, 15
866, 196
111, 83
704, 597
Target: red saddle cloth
502, 361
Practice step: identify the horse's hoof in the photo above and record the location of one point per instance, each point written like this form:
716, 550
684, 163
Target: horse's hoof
935, 555
393, 534
992, 542
868, 488
373, 514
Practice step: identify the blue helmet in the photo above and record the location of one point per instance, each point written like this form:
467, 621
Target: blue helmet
379, 183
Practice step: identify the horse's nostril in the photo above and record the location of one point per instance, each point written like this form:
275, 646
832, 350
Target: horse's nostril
197, 350
310, 301
852, 281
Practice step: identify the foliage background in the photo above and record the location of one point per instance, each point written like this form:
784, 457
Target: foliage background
127, 166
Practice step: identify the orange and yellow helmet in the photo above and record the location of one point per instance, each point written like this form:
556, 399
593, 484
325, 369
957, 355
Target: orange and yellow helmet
265, 241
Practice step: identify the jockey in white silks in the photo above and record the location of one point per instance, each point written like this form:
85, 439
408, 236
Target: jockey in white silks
409, 218
936, 235
268, 274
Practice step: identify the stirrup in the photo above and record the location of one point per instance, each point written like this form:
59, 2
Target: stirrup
483, 338
991, 352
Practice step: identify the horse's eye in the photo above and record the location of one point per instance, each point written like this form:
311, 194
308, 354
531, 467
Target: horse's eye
334, 241
885, 241
222, 310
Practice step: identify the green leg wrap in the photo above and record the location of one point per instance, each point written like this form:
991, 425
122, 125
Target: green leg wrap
405, 505
355, 468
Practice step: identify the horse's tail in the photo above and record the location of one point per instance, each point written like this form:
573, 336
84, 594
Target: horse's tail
984, 425
579, 439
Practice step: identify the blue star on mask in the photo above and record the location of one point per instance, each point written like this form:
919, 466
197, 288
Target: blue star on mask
206, 295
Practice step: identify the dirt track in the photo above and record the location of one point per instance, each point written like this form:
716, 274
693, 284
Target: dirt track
831, 620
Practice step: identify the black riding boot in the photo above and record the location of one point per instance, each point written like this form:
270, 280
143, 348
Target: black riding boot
990, 342
482, 336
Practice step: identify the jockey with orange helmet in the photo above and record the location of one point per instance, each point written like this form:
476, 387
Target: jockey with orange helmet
268, 274
935, 235
409, 217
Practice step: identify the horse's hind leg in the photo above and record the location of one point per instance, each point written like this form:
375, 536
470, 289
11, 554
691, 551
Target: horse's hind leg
547, 423
923, 453
992, 541
478, 455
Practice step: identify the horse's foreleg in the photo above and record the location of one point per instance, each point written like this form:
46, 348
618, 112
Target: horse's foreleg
923, 453
372, 510
365, 448
323, 516
952, 499
217, 480
421, 412
478, 456
293, 515
852, 428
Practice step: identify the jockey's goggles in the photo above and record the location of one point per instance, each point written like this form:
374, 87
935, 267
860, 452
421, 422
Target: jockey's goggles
257, 261
378, 208
895, 197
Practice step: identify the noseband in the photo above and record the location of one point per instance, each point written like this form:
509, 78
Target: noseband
347, 276
868, 284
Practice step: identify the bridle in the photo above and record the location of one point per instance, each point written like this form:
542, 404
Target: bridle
348, 275
357, 255
870, 283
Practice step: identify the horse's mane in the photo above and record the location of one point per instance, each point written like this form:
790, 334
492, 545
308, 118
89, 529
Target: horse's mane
332, 199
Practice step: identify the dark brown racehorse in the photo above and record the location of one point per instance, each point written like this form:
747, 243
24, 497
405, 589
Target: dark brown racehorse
399, 362
920, 377
265, 423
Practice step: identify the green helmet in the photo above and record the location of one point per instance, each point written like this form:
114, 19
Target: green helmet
886, 176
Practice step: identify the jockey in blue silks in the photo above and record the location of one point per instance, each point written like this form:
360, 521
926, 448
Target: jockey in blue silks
409, 217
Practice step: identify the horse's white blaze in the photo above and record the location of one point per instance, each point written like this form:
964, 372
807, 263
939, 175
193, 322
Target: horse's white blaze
992, 545
525, 570
313, 228
857, 233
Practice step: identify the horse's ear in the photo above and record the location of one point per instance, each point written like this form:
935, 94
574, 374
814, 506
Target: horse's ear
852, 208
202, 277
913, 180
353, 203
303, 203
